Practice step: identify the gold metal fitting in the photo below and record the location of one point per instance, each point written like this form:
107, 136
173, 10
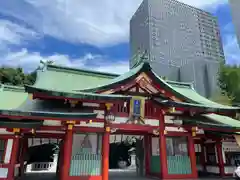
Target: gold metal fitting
16, 130
70, 122
90, 121
70, 126
73, 103
108, 106
165, 132
30, 96
172, 110
108, 129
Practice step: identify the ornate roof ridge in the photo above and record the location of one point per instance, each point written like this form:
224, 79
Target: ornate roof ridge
182, 84
79, 70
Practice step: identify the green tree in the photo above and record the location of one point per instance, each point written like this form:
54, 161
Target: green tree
229, 81
16, 76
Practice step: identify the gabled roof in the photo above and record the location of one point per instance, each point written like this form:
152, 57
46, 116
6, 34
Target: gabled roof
65, 79
11, 97
15, 102
213, 120
77, 95
183, 91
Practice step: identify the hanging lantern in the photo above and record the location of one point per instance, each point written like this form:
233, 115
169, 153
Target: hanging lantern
110, 117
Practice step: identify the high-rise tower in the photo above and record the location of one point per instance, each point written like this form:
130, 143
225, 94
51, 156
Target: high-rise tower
183, 42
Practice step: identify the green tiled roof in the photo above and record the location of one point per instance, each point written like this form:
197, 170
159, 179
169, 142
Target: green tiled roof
121, 78
78, 95
205, 107
67, 79
213, 120
11, 96
223, 120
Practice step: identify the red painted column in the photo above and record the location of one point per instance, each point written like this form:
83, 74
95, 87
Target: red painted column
162, 148
220, 157
67, 152
147, 151
14, 156
192, 155
105, 153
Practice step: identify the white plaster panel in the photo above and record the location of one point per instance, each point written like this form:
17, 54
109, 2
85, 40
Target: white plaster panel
90, 104
3, 172
119, 120
39, 141
93, 124
155, 146
16, 171
100, 113
175, 129
229, 169
4, 131
8, 151
78, 140
230, 146
212, 169
51, 123
152, 122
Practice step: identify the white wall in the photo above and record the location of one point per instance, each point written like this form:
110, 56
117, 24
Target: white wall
88, 141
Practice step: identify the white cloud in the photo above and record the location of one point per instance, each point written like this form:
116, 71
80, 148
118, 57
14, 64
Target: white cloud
100, 23
231, 49
31, 61
11, 33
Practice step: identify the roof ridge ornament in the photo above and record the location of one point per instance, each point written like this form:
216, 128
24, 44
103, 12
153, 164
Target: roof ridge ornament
43, 64
142, 57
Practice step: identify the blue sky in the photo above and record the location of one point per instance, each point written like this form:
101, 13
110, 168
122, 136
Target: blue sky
84, 34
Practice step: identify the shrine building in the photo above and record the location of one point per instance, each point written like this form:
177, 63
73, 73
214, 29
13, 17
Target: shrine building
184, 133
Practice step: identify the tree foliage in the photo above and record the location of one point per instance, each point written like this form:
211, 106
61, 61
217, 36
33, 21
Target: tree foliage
16, 76
229, 82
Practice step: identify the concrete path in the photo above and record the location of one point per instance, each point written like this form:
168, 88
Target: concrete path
112, 176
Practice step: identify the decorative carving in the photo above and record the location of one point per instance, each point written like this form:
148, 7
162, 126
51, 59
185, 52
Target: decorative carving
73, 103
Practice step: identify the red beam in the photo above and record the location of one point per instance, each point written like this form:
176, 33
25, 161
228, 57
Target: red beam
43, 96
50, 118
132, 127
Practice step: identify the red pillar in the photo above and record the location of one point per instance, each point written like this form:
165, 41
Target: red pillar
67, 152
105, 153
162, 148
220, 157
192, 155
147, 150
14, 156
